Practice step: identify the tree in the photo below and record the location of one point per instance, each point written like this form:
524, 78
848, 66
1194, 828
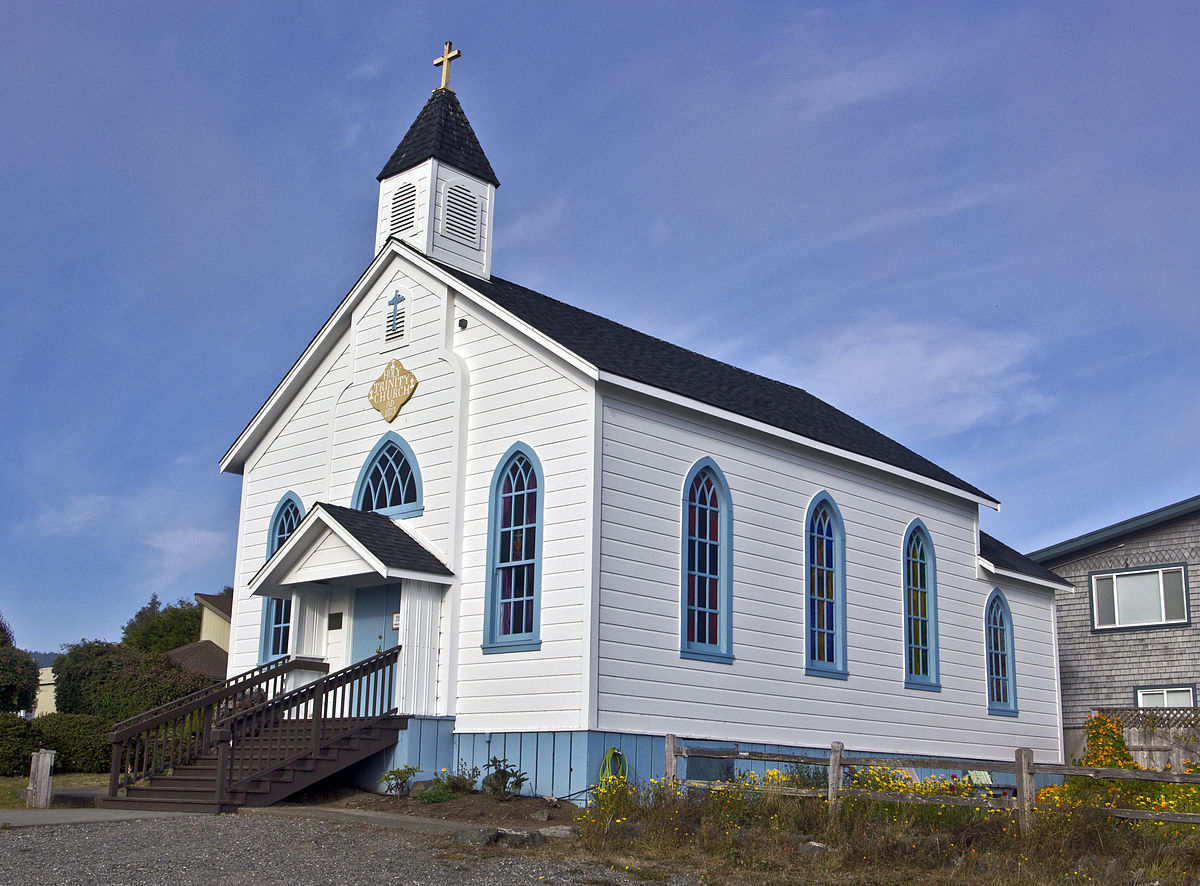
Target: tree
115, 682
18, 674
158, 628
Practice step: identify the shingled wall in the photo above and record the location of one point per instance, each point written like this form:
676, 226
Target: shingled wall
1104, 669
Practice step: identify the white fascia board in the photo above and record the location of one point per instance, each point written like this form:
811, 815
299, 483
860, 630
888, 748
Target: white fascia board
708, 409
485, 305
990, 567
306, 534
417, 575
323, 342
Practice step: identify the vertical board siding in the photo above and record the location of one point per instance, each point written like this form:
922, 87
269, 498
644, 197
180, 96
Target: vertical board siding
764, 695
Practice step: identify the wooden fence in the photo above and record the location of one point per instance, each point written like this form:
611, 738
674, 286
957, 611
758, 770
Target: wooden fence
1022, 767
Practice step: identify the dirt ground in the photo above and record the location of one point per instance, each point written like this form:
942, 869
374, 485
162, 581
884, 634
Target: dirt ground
484, 809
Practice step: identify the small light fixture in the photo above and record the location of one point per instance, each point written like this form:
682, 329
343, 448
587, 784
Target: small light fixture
462, 322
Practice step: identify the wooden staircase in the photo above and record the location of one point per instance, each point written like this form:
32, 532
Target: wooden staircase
248, 742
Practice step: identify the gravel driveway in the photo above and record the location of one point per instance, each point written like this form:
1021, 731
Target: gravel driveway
242, 850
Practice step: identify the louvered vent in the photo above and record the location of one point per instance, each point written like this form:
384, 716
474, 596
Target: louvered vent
462, 215
404, 208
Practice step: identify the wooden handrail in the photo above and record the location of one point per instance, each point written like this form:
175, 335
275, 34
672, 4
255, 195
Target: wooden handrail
179, 731
273, 734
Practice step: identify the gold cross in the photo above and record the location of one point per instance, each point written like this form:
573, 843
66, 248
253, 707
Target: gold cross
444, 63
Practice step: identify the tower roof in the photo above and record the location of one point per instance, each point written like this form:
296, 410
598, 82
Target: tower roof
441, 131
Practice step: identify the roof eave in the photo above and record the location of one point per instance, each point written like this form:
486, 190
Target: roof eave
1111, 533
990, 567
644, 389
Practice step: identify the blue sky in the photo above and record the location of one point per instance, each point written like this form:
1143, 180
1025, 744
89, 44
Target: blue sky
972, 225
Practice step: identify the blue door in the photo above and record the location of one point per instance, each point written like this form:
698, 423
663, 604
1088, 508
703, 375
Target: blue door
373, 631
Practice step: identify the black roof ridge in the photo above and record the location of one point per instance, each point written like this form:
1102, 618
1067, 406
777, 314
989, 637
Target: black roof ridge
658, 363
441, 131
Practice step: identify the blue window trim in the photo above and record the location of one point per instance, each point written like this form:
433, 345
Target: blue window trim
1000, 708
722, 650
930, 682
493, 641
412, 509
268, 626
837, 669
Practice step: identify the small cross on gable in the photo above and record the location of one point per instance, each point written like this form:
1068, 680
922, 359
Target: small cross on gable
394, 325
444, 63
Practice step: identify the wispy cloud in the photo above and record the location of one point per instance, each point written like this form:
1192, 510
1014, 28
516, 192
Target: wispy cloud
534, 224
178, 552
919, 380
369, 70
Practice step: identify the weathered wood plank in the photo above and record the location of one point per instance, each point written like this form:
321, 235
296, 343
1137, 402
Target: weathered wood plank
1120, 774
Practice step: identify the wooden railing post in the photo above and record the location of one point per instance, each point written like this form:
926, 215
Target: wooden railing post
835, 776
114, 771
224, 740
318, 708
672, 765
1025, 790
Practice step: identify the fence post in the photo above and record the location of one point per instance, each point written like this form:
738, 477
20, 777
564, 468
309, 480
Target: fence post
1025, 790
114, 771
835, 775
671, 769
41, 763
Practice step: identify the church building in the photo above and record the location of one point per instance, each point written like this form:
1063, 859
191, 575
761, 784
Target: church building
583, 537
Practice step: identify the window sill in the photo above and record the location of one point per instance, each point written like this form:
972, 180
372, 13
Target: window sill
402, 511
511, 646
1157, 626
922, 685
705, 655
814, 670
1002, 712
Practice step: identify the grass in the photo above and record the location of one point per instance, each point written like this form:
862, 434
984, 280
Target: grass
12, 790
741, 833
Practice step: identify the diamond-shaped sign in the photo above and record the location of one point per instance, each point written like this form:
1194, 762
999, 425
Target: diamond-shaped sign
392, 390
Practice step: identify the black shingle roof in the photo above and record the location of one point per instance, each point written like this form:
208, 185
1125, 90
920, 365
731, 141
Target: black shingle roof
388, 541
625, 352
441, 131
1002, 556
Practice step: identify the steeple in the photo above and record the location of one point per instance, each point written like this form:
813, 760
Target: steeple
437, 189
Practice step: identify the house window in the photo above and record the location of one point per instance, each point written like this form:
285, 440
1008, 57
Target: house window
511, 607
1001, 678
707, 595
826, 574
287, 516
1141, 598
278, 627
390, 480
1165, 697
277, 611
920, 611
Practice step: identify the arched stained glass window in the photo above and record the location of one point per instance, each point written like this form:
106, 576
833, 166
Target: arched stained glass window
275, 633
920, 611
825, 651
707, 595
1001, 676
512, 610
390, 481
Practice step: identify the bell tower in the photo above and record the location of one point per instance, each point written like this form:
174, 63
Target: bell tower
437, 190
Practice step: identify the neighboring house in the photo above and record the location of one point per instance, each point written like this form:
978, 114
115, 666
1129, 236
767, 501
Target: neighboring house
584, 537
45, 703
215, 613
1126, 631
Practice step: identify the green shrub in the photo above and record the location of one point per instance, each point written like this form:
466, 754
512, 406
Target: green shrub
437, 792
81, 741
17, 742
504, 780
116, 682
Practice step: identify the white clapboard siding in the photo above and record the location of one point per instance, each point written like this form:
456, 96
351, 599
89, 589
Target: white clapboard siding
519, 394
419, 638
764, 695
293, 457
